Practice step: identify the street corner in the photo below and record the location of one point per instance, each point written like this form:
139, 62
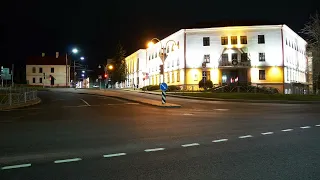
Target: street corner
23, 105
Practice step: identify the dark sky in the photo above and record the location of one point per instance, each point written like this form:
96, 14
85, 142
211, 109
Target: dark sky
96, 26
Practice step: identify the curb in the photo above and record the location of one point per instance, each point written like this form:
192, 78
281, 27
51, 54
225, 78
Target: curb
136, 101
16, 106
239, 100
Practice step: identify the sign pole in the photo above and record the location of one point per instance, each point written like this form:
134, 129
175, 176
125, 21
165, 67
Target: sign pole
163, 97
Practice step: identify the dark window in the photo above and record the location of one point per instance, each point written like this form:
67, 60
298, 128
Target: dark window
225, 57
244, 57
40, 70
33, 70
178, 76
262, 57
206, 41
234, 40
261, 39
33, 80
155, 54
168, 49
206, 58
262, 75
178, 61
52, 70
205, 75
40, 80
224, 40
243, 39
234, 56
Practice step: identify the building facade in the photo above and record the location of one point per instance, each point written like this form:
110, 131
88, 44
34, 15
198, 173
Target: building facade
136, 63
269, 55
48, 71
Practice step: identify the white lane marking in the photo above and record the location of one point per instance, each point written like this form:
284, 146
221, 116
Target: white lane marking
114, 155
67, 160
131, 103
318, 125
189, 145
85, 102
222, 109
16, 166
220, 140
187, 114
267, 133
305, 127
246, 136
155, 149
286, 130
74, 106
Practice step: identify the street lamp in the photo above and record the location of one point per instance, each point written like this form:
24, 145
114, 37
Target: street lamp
110, 67
81, 58
163, 56
74, 51
83, 71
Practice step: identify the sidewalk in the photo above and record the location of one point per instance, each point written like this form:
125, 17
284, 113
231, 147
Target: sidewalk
172, 94
20, 105
115, 94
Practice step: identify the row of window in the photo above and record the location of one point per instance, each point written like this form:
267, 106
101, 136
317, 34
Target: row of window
234, 40
159, 52
234, 56
41, 70
169, 79
34, 80
295, 47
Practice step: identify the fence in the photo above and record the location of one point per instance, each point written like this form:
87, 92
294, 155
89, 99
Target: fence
16, 95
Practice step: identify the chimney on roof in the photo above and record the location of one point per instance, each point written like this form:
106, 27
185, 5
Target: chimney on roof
43, 54
57, 54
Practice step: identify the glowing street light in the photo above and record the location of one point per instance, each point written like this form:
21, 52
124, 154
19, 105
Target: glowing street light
81, 58
75, 51
83, 71
82, 75
110, 67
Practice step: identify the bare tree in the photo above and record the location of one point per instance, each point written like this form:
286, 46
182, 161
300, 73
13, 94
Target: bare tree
312, 31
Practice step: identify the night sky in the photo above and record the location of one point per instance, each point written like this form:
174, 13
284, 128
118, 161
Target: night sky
96, 26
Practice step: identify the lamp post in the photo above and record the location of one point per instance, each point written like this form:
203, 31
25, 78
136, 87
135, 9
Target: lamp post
74, 51
163, 56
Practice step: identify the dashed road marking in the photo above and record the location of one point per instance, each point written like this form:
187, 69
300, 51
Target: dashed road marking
189, 145
131, 103
16, 166
155, 149
246, 136
318, 125
114, 155
221, 109
286, 130
267, 133
220, 140
305, 127
67, 160
85, 102
187, 114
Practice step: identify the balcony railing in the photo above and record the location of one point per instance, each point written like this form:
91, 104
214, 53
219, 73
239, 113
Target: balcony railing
235, 63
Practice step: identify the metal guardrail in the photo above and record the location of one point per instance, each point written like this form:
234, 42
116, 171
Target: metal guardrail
10, 96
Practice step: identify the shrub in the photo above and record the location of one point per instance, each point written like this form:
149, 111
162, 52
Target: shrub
206, 84
173, 88
151, 88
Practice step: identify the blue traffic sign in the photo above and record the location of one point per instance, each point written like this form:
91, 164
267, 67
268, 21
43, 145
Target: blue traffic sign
163, 86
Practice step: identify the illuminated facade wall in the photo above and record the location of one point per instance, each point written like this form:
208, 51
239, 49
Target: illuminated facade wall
136, 66
276, 56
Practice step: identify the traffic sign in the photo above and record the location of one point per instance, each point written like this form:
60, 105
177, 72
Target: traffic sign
163, 86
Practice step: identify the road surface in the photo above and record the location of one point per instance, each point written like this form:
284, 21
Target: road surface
77, 136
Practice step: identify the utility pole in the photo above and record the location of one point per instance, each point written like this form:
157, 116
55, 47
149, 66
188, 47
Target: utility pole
12, 73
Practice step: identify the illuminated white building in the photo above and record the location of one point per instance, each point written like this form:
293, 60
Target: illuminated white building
269, 55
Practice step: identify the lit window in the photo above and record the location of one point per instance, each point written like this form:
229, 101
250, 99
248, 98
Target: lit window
224, 40
243, 39
234, 40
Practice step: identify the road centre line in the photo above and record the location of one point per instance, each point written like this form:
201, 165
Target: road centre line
305, 127
67, 160
246, 136
267, 133
114, 155
220, 140
15, 166
155, 149
189, 145
85, 102
286, 130
318, 125
222, 109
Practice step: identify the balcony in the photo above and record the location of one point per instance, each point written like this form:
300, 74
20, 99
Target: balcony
234, 64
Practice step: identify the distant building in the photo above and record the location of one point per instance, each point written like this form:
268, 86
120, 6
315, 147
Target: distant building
47, 71
263, 55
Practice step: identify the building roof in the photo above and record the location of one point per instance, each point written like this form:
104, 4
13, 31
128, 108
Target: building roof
46, 60
228, 23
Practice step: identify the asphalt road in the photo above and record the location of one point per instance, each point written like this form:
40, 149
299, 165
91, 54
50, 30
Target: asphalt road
76, 136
